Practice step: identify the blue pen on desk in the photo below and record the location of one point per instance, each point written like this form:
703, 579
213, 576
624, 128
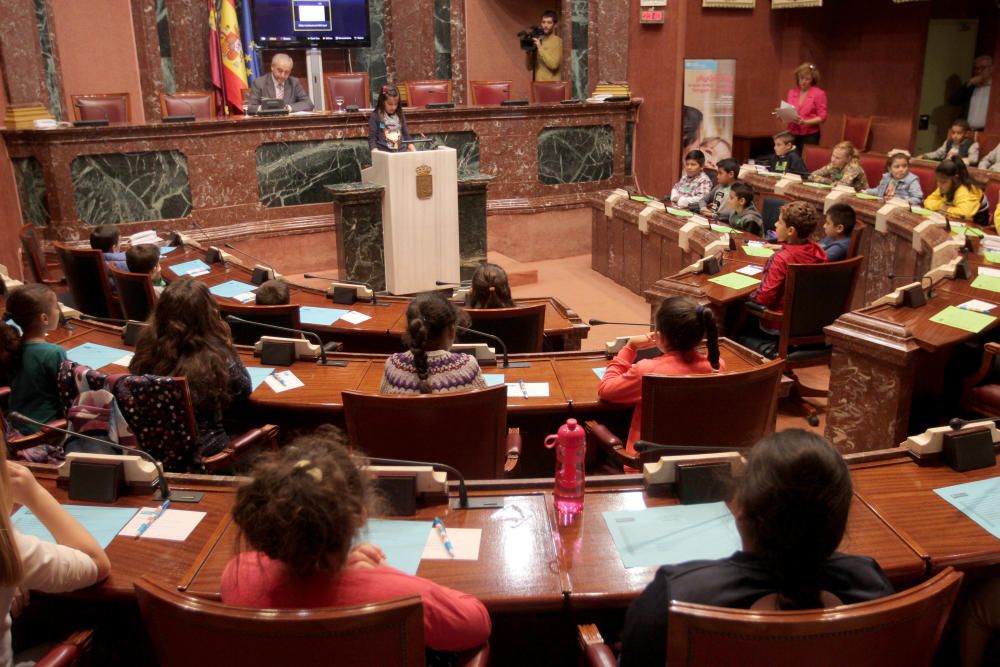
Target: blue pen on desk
279, 379
443, 533
152, 519
524, 387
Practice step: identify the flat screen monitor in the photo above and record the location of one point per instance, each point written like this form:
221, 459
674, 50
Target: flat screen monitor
305, 23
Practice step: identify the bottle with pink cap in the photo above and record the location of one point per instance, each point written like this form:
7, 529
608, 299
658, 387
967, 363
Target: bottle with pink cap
571, 449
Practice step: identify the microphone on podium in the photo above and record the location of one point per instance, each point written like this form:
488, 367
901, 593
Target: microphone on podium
185, 118
262, 272
165, 493
596, 323
335, 282
321, 361
500, 344
643, 446
463, 496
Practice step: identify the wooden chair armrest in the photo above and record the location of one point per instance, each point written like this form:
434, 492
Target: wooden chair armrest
265, 437
69, 651
595, 652
598, 434
39, 437
479, 657
513, 449
764, 312
990, 352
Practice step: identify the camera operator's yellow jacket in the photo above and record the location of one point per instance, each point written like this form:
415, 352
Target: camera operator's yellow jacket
548, 63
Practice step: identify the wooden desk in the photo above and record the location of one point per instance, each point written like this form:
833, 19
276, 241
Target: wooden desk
902, 494
383, 332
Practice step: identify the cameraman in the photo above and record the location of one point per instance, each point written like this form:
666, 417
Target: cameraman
546, 59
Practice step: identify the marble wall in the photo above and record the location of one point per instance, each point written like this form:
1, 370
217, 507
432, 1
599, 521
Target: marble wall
166, 57
466, 144
373, 59
360, 252
629, 137
579, 65
31, 191
50, 61
124, 187
442, 39
297, 172
576, 154
472, 223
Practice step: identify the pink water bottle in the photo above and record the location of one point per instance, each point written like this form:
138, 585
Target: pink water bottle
570, 453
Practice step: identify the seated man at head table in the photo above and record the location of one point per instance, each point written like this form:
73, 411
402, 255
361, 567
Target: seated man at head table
279, 84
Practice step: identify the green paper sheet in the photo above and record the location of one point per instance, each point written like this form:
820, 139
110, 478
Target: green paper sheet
865, 195
642, 198
921, 211
974, 231
819, 185
734, 280
680, 213
992, 257
757, 251
725, 229
966, 320
991, 283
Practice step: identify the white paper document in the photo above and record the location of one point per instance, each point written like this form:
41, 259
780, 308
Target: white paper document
124, 361
977, 305
750, 270
464, 544
354, 317
786, 112
283, 381
174, 525
530, 390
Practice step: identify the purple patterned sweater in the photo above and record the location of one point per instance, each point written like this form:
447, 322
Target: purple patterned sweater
447, 372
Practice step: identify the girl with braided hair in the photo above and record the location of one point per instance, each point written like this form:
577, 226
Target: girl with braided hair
428, 367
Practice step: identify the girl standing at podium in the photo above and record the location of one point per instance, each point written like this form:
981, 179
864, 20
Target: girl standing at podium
387, 129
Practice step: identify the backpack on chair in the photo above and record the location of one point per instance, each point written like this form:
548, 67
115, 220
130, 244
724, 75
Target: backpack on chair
95, 413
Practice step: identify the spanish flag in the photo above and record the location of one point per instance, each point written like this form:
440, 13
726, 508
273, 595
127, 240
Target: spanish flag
231, 51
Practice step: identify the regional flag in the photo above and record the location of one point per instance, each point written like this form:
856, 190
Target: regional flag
213, 54
231, 49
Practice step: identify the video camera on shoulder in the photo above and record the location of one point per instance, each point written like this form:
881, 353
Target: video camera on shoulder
528, 37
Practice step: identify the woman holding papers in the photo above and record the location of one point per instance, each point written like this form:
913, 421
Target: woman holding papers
299, 516
72, 560
791, 508
809, 101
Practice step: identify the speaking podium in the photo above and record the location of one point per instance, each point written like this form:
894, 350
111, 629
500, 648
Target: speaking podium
419, 217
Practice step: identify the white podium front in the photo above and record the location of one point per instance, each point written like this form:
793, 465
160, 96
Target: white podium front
419, 217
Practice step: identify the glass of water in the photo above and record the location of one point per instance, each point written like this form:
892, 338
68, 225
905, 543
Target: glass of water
339, 101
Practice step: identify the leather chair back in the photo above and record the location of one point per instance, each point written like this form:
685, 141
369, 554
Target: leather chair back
521, 328
467, 430
816, 156
352, 86
900, 630
925, 173
687, 410
857, 130
160, 412
112, 107
135, 294
549, 92
187, 631
200, 104
487, 93
87, 276
33, 251
815, 296
286, 315
422, 93
873, 166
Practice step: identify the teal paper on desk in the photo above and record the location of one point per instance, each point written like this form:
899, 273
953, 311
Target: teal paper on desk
257, 375
599, 372
493, 379
668, 535
231, 288
101, 522
980, 501
402, 541
323, 317
94, 355
194, 265
167, 249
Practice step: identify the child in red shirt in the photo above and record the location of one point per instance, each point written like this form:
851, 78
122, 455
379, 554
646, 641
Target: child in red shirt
681, 324
299, 515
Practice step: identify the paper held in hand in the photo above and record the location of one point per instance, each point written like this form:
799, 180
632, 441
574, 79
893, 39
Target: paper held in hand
786, 112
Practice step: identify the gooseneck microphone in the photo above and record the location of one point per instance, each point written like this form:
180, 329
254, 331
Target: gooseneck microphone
500, 344
643, 446
597, 323
190, 117
463, 496
349, 282
161, 482
322, 361
244, 253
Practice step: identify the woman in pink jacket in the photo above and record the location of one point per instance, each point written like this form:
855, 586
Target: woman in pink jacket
809, 101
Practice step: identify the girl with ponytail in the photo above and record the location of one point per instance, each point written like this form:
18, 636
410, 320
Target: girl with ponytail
791, 508
681, 324
428, 367
489, 288
958, 196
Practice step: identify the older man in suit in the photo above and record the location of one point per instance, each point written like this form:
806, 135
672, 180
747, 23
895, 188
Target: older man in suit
281, 85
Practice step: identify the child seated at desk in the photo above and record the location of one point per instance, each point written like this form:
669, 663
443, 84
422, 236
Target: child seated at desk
716, 203
273, 293
428, 367
73, 560
786, 158
844, 168
791, 508
796, 224
838, 226
960, 143
694, 185
489, 288
300, 515
105, 238
898, 181
957, 195
743, 214
145, 258
187, 337
681, 324
32, 364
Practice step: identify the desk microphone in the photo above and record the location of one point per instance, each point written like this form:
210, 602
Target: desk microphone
188, 497
643, 446
500, 344
261, 272
91, 122
463, 496
371, 289
183, 118
322, 361
597, 323
444, 283
105, 320
244, 253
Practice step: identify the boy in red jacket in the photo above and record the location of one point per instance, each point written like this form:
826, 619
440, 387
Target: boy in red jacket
797, 222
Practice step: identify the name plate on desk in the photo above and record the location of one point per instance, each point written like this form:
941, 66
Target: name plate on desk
651, 208
613, 198
882, 216
786, 180
835, 196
